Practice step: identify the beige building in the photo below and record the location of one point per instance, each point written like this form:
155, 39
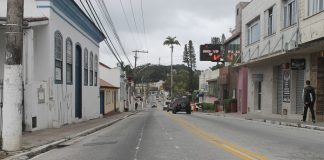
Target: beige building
282, 47
109, 102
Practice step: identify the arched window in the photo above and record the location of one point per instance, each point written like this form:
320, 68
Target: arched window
96, 70
86, 65
69, 61
91, 69
58, 49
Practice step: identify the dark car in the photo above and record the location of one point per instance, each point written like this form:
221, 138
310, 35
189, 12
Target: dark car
166, 106
180, 104
154, 105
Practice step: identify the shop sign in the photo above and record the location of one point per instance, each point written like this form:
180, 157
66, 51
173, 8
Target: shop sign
257, 77
298, 64
286, 85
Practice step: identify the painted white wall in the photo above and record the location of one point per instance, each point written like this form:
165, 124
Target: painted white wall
311, 27
205, 76
267, 89
59, 106
267, 44
112, 76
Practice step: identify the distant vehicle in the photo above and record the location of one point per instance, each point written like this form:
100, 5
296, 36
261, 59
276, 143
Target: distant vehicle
166, 106
154, 105
180, 104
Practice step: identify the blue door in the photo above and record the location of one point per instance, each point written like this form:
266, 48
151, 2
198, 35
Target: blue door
102, 102
78, 82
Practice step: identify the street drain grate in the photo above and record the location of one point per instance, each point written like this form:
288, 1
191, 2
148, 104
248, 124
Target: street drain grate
100, 143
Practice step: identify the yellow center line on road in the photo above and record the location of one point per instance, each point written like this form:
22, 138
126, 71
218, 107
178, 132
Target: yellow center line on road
234, 149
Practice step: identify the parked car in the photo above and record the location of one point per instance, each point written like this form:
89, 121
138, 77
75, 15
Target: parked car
180, 104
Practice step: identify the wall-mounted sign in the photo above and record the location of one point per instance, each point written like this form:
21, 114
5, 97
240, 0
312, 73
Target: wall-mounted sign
298, 64
210, 52
41, 94
286, 86
257, 77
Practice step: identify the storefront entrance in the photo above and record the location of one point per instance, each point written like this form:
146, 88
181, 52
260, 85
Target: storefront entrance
320, 90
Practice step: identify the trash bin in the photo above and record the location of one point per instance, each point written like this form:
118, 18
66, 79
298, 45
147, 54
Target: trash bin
233, 105
227, 105
216, 104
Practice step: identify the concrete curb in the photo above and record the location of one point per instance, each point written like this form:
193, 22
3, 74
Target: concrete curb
275, 122
47, 147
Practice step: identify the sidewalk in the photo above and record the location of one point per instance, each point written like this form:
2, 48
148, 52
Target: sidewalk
43, 140
272, 120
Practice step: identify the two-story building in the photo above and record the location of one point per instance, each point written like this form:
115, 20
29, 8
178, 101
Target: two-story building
311, 22
60, 63
270, 36
282, 48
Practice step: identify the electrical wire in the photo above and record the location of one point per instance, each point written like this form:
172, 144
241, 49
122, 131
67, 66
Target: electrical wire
143, 22
131, 5
96, 15
117, 56
126, 19
105, 12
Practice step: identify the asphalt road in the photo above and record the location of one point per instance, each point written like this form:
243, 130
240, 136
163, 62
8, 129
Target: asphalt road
156, 135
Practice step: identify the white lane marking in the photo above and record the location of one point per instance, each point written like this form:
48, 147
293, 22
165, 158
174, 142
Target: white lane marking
177, 147
139, 142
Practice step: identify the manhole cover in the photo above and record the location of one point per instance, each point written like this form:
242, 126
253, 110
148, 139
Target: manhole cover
100, 143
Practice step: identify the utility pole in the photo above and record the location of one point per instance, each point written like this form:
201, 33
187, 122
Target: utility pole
13, 89
136, 57
159, 61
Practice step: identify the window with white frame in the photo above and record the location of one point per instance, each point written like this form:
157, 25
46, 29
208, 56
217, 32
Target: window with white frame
270, 22
58, 43
69, 61
96, 71
91, 69
315, 6
253, 31
86, 65
290, 13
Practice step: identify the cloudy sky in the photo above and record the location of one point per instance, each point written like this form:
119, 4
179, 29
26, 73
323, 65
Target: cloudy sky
196, 20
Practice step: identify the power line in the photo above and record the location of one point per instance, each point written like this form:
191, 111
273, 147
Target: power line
131, 4
143, 21
105, 12
119, 61
126, 19
107, 43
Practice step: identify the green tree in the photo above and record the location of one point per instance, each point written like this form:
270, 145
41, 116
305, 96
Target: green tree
189, 57
171, 41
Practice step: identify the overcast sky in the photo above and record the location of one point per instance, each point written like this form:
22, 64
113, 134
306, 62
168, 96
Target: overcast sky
196, 20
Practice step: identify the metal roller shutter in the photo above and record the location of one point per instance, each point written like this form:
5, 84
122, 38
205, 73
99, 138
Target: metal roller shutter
299, 91
279, 90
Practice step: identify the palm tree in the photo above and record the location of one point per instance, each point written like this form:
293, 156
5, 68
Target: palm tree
171, 41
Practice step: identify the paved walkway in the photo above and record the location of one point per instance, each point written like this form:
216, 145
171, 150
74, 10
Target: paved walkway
273, 119
31, 140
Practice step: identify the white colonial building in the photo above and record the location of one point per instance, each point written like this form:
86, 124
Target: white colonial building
274, 43
60, 60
